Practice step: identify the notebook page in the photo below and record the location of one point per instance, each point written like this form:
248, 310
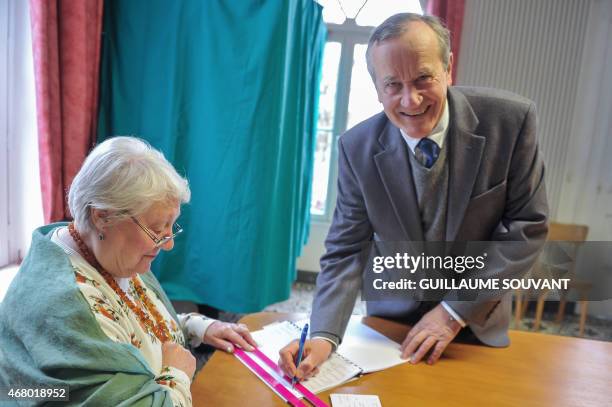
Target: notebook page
368, 349
333, 372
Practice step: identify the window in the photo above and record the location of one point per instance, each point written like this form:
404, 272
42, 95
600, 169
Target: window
347, 94
20, 196
325, 128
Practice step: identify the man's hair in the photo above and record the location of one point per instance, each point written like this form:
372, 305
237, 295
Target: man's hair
396, 25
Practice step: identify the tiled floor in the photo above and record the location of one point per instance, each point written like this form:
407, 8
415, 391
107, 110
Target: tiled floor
301, 301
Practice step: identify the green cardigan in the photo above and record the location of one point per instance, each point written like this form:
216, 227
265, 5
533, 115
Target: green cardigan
49, 336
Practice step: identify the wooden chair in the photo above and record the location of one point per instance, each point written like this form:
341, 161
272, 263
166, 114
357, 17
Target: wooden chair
559, 232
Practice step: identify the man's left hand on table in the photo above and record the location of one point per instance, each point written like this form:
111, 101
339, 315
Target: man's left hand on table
434, 331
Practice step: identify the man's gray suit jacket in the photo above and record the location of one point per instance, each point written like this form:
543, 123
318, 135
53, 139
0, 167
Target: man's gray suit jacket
496, 192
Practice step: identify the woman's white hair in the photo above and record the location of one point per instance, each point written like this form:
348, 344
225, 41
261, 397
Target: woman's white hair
124, 176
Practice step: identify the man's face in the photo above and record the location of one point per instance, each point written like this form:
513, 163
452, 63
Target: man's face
411, 81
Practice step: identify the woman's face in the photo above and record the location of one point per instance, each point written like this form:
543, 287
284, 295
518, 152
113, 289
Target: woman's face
127, 250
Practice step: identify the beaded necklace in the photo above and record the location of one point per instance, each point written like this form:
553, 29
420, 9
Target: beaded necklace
159, 329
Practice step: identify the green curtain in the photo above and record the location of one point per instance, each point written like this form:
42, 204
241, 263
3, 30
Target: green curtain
228, 90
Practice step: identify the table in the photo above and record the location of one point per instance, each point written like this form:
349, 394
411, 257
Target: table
536, 370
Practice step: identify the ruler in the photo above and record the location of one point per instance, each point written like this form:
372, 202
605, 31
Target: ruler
280, 387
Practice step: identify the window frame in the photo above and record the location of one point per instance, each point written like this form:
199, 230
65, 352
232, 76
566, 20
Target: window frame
20, 195
348, 35
4, 132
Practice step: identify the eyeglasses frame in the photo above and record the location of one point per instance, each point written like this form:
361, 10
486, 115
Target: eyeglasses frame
159, 241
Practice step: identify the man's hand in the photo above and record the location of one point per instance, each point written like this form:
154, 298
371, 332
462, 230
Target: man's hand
316, 351
223, 335
434, 332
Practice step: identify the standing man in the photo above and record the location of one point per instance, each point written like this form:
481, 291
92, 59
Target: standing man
441, 163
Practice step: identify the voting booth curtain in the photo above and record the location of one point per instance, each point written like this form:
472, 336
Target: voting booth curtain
228, 91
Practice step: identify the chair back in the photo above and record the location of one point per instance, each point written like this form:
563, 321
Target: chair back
568, 232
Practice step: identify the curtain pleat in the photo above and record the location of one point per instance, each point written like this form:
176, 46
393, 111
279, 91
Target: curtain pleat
66, 38
228, 91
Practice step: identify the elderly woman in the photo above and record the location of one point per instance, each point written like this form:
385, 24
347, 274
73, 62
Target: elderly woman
85, 310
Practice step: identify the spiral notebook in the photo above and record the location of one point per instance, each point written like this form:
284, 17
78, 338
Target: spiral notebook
363, 350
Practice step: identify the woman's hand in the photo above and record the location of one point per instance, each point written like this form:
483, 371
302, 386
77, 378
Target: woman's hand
223, 335
176, 356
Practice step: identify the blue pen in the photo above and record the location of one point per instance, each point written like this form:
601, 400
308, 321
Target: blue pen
300, 351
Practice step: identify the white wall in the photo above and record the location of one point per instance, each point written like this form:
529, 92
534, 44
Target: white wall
312, 252
533, 48
559, 54
587, 194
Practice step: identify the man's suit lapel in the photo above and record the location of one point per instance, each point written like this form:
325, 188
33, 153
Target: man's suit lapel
396, 174
464, 156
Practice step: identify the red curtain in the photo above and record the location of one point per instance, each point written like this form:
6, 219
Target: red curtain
66, 38
451, 12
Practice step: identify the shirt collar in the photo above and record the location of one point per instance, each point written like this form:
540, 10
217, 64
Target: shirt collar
438, 134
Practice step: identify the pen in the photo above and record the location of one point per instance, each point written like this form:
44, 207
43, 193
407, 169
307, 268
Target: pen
300, 351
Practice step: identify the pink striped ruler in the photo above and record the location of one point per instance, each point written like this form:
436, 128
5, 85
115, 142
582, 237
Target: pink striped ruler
280, 387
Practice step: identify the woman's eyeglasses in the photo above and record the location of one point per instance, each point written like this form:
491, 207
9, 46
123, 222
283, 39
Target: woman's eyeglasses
159, 241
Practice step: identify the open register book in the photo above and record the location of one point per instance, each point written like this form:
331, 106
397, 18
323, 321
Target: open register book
363, 350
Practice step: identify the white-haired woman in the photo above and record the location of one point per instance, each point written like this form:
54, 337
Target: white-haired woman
85, 312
